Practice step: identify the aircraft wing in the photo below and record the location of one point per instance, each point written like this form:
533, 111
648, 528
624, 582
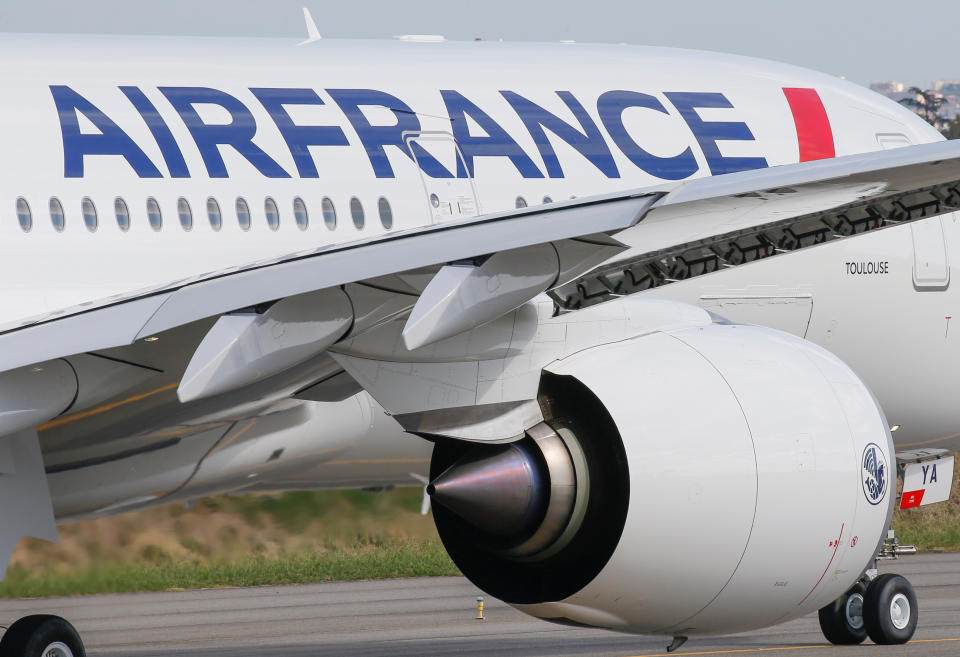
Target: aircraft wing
321, 325
120, 321
726, 221
443, 272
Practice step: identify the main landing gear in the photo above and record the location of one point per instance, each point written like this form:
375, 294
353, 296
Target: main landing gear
885, 609
41, 636
842, 620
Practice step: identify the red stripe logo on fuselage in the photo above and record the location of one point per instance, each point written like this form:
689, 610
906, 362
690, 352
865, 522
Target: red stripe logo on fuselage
814, 134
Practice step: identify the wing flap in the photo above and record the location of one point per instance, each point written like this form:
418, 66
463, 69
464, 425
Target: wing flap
715, 223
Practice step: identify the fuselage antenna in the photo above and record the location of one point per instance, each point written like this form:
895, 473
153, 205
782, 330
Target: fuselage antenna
313, 34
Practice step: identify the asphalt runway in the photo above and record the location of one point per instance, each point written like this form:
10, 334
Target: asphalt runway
436, 616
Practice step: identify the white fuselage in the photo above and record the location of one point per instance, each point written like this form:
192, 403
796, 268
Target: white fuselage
622, 94
438, 131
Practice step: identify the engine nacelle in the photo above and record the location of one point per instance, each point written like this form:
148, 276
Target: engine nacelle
707, 480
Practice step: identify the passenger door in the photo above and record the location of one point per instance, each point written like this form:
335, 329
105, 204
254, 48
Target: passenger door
451, 198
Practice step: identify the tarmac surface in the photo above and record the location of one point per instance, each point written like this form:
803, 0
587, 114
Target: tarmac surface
436, 616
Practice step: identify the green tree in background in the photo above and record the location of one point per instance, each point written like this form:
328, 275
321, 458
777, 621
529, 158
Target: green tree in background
926, 103
952, 130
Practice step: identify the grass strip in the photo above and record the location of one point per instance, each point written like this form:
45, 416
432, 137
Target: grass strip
928, 534
384, 559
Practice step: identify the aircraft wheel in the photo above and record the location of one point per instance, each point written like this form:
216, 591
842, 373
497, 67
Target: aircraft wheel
890, 610
841, 621
41, 636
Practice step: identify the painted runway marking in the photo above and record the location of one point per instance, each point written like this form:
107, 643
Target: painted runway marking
108, 407
746, 651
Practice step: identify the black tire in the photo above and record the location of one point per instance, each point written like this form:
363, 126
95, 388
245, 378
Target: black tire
841, 621
31, 636
890, 610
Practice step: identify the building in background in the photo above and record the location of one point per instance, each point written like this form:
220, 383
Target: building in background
939, 105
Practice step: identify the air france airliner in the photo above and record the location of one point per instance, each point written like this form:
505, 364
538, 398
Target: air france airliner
584, 294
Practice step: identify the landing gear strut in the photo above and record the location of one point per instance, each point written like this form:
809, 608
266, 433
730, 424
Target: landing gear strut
885, 610
41, 636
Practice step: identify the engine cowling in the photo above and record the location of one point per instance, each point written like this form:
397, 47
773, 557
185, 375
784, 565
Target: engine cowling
700, 481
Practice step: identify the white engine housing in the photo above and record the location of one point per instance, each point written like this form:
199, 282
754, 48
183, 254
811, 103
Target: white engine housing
749, 500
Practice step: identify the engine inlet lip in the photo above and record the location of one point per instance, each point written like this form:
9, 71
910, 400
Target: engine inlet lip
592, 535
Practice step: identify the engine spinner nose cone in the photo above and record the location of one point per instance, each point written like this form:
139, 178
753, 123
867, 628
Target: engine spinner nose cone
501, 492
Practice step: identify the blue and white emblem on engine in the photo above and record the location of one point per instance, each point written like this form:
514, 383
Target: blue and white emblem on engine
874, 473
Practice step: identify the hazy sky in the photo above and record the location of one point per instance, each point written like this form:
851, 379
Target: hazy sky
865, 40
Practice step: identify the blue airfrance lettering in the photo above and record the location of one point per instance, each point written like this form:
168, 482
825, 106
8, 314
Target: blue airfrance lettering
172, 155
376, 137
209, 137
298, 137
587, 141
708, 133
496, 143
477, 133
112, 140
611, 106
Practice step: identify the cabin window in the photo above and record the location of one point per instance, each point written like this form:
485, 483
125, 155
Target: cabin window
521, 202
300, 213
329, 213
57, 217
356, 212
272, 212
153, 214
547, 199
123, 214
23, 215
185, 213
89, 214
213, 214
386, 213
243, 214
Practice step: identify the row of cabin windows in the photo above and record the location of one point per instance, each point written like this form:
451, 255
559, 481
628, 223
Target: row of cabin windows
214, 215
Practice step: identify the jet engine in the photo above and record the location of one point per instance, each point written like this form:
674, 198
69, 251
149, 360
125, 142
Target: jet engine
706, 480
